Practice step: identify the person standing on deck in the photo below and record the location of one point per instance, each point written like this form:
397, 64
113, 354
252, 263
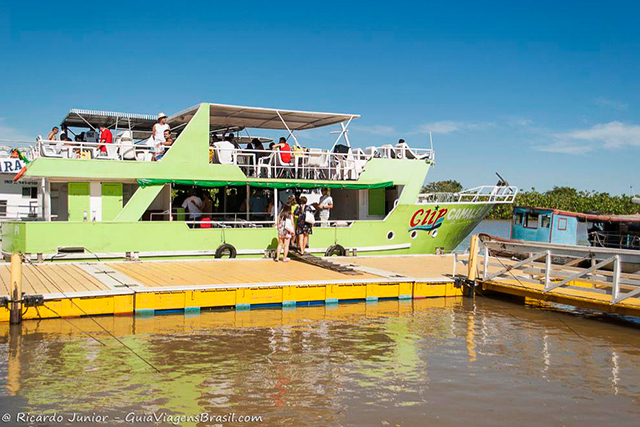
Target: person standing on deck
157, 134
106, 137
325, 205
193, 205
304, 226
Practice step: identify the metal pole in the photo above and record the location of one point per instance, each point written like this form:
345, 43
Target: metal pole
547, 273
16, 289
247, 203
615, 292
485, 265
473, 257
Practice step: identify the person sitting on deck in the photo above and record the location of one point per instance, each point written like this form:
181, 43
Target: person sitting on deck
106, 137
162, 148
53, 135
285, 150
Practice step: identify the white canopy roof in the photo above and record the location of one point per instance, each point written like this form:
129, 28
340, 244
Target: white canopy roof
261, 118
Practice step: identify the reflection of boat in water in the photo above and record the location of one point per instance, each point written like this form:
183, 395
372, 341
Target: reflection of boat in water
576, 238
115, 200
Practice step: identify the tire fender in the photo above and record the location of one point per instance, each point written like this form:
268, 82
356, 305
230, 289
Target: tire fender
222, 249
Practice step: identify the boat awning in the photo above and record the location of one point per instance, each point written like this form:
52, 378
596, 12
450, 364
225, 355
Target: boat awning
224, 116
265, 184
85, 118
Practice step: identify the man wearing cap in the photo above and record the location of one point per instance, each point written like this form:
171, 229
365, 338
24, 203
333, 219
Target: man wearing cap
157, 134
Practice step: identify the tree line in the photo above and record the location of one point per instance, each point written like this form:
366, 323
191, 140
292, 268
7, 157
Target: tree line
564, 198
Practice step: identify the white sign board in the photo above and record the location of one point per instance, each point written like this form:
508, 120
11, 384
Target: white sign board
11, 165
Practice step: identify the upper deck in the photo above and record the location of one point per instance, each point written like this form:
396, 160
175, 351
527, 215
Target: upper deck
196, 153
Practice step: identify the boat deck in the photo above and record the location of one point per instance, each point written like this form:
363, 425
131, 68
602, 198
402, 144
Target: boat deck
147, 287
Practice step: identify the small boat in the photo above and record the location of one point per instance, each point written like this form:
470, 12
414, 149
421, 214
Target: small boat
567, 234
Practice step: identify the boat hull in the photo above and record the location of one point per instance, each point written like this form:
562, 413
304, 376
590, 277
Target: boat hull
408, 229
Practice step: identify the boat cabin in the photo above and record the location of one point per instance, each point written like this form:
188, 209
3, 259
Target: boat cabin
572, 228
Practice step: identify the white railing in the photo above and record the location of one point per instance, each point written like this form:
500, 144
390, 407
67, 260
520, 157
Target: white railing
496, 194
311, 163
92, 150
539, 269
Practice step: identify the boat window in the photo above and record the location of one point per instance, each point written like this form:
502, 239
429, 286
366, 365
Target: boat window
3, 208
562, 224
545, 221
30, 192
531, 220
519, 218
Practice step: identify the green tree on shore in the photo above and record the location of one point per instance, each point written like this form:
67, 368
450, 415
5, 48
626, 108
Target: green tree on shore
564, 198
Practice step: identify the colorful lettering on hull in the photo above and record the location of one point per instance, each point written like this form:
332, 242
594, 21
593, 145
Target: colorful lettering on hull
427, 220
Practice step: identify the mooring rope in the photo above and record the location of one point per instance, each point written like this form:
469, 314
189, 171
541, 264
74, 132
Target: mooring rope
48, 278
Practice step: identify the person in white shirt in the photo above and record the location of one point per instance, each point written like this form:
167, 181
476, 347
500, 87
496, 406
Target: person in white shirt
325, 205
157, 134
193, 204
224, 152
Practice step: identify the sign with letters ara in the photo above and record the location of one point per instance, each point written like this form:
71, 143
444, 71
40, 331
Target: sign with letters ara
12, 166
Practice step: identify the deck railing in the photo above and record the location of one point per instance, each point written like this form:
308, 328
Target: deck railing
311, 163
118, 150
496, 194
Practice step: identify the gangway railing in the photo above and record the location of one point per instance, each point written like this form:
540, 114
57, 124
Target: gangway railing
556, 270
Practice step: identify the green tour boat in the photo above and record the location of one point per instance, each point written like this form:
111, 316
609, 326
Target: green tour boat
123, 200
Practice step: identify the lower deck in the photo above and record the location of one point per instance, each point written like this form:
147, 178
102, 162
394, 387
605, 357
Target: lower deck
127, 287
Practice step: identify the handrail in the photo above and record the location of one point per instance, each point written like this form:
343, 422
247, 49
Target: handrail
496, 194
76, 149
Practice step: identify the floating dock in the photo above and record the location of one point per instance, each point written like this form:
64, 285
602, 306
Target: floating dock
75, 289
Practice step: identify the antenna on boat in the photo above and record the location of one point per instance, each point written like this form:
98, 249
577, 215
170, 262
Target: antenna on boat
502, 182
431, 140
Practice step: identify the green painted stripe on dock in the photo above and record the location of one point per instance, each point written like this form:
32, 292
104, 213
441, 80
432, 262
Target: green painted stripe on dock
288, 303
405, 296
331, 301
145, 312
192, 310
372, 299
243, 307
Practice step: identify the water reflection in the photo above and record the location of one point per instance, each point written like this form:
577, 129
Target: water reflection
449, 361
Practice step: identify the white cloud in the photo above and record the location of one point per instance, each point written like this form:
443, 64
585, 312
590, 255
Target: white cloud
610, 103
9, 133
612, 135
376, 129
449, 126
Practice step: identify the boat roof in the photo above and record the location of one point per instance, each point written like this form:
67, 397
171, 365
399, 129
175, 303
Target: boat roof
83, 118
586, 216
222, 115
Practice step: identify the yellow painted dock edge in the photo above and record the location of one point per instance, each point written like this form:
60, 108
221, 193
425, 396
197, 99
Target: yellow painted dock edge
157, 300
582, 301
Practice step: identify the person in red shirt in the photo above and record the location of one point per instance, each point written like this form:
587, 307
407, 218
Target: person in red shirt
285, 150
105, 138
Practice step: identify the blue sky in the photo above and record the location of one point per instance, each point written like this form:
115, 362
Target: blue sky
546, 93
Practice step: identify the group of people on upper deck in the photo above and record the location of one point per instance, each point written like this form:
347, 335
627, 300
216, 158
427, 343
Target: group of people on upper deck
159, 142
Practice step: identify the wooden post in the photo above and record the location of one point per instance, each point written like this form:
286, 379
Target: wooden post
16, 289
473, 257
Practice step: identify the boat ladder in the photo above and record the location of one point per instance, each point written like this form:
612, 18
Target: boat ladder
323, 263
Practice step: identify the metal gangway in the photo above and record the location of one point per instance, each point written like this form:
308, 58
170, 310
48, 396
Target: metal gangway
582, 276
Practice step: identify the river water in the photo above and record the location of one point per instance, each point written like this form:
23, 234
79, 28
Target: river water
435, 362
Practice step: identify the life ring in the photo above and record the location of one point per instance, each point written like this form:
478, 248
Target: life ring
19, 174
335, 250
226, 249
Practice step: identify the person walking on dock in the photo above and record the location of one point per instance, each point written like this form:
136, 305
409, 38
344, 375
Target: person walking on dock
285, 232
304, 225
